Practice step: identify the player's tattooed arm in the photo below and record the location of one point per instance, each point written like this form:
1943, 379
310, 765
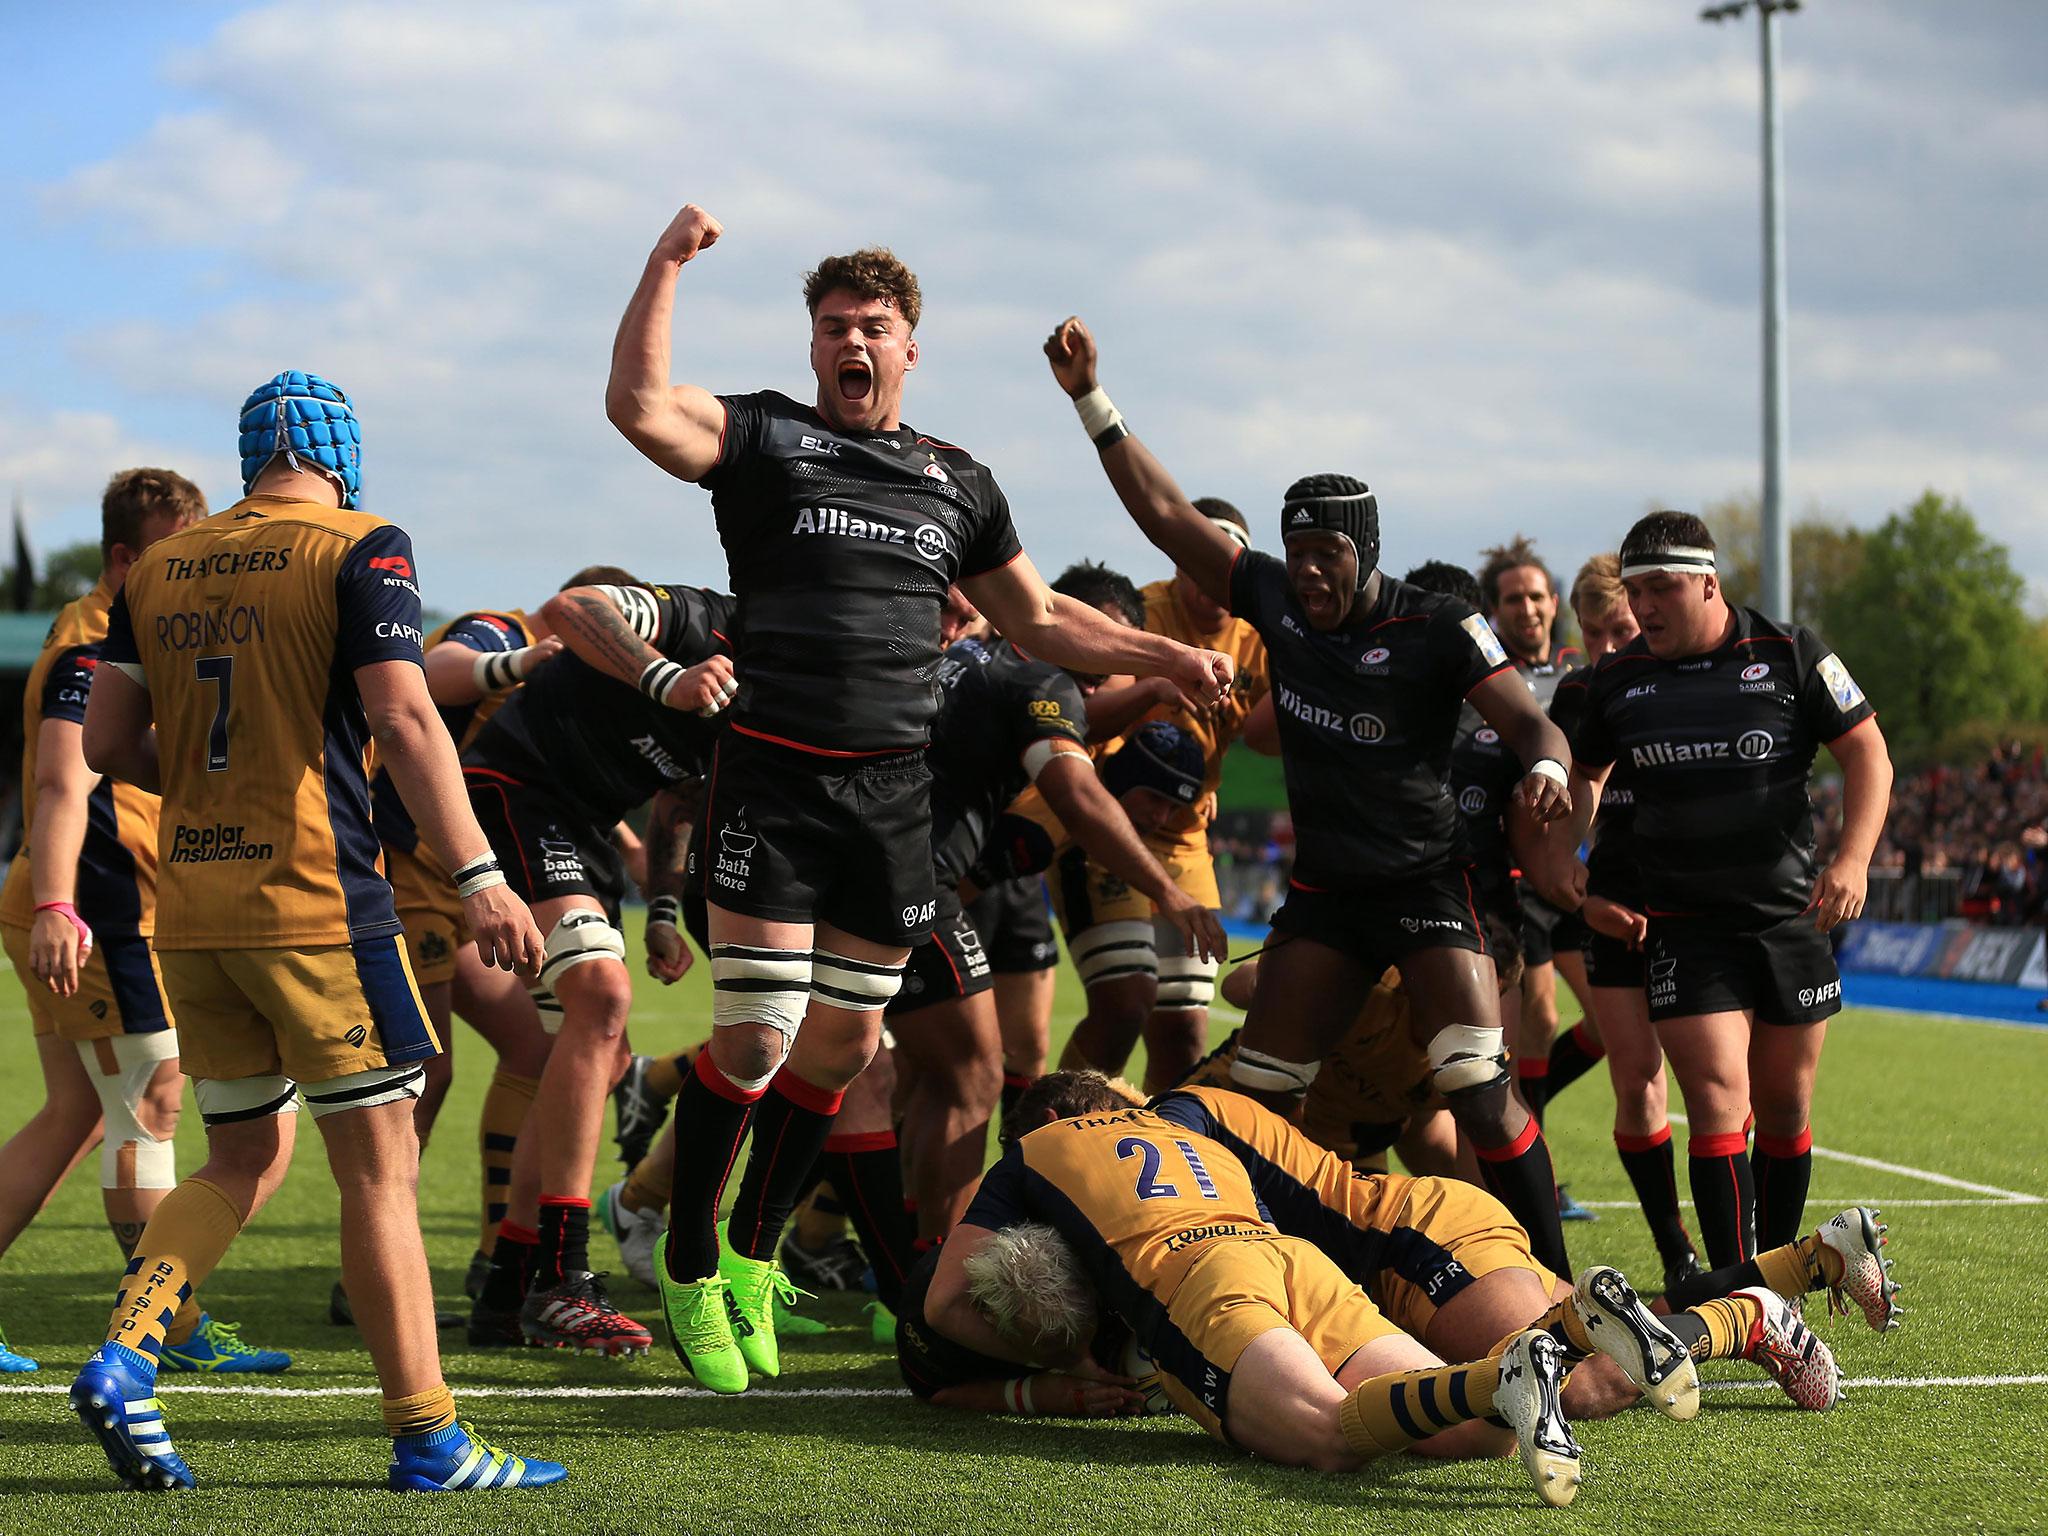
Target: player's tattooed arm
1148, 492
668, 842
678, 426
612, 629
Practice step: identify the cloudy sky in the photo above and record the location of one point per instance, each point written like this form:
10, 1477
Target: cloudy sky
1498, 257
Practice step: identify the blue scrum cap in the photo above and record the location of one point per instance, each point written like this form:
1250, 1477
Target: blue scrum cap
310, 422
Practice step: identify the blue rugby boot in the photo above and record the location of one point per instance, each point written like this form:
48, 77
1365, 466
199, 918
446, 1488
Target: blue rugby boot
115, 1397
455, 1459
12, 1363
218, 1346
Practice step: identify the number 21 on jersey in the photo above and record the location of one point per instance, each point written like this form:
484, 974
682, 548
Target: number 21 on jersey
1149, 1185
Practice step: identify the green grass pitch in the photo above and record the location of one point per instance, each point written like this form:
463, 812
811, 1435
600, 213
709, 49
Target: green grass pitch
1926, 1444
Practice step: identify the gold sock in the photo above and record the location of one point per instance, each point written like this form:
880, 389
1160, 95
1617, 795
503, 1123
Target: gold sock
186, 1323
1390, 1413
1563, 1323
176, 1252
1806, 1265
1729, 1320
665, 1073
650, 1183
506, 1102
420, 1414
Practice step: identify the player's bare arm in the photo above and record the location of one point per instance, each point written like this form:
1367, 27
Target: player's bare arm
1115, 707
1840, 890
1068, 634
949, 1308
119, 736
1095, 821
1506, 704
414, 747
1148, 492
454, 677
59, 941
678, 426
668, 840
591, 624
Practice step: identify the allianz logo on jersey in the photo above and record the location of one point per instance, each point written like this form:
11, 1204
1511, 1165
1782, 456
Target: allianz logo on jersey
659, 758
1360, 727
1750, 747
837, 523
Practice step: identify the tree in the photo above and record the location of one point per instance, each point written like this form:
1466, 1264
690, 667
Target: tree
69, 572
1933, 626
1826, 553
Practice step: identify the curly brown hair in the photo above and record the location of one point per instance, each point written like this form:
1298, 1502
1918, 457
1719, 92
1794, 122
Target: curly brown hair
872, 273
1511, 556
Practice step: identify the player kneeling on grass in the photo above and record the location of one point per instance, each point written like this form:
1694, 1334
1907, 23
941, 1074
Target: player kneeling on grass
249, 663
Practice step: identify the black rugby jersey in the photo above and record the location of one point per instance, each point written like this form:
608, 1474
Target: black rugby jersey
1367, 715
1719, 749
1544, 677
1484, 773
1611, 861
841, 546
486, 631
998, 702
600, 746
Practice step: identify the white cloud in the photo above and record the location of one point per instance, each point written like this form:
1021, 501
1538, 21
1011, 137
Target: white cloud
1499, 258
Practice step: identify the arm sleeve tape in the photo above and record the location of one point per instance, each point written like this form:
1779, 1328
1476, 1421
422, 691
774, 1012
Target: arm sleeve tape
638, 608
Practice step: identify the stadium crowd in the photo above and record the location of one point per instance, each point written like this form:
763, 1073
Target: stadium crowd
265, 806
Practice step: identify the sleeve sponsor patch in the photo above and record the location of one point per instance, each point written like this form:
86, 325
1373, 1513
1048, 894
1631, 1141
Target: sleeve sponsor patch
1484, 638
1846, 694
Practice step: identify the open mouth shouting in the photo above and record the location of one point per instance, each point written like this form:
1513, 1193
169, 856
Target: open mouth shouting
856, 380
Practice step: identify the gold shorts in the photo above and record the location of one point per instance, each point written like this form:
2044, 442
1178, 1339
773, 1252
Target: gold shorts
120, 991
431, 912
1243, 1288
309, 1014
1440, 1235
1085, 895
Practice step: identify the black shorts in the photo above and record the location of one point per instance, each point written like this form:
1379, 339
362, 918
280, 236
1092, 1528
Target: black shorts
1015, 927
797, 838
546, 849
1611, 963
1781, 970
951, 964
1539, 927
1380, 926
1569, 936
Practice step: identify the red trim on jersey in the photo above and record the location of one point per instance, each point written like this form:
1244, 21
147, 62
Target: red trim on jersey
710, 806
935, 443
1478, 928
1869, 719
1399, 618
511, 827
1506, 666
1760, 639
860, 1141
491, 773
1513, 1149
1657, 912
720, 638
1661, 1137
992, 569
1313, 890
784, 741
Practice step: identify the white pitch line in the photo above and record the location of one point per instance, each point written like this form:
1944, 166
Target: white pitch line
1906, 1170
1854, 1383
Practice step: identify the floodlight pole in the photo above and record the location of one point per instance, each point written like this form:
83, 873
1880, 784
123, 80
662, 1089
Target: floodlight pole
1777, 534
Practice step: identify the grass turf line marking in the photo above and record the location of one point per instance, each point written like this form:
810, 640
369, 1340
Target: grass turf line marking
1889, 1205
1853, 1383
1906, 1170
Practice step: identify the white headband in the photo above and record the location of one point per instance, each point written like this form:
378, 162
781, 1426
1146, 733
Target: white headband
1684, 560
1231, 531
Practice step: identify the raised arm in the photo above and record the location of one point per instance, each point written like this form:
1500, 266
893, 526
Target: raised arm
1055, 628
1148, 492
678, 426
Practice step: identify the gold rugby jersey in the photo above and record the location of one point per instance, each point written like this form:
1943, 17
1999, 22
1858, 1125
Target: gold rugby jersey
247, 629
1166, 615
116, 882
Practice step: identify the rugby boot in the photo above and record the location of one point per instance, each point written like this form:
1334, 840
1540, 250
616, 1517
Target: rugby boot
1857, 1236
455, 1459
637, 1111
754, 1286
577, 1314
634, 1231
115, 1397
698, 1327
217, 1346
1791, 1354
836, 1266
12, 1363
1531, 1381
1569, 1209
1630, 1334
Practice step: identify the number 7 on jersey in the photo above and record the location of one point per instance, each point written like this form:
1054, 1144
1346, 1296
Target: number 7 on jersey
219, 670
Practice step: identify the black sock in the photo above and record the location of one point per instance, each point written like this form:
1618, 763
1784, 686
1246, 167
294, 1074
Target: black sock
1652, 1167
711, 1122
1723, 1197
564, 1241
867, 1170
1572, 1055
790, 1126
1014, 1084
1783, 1170
1520, 1176
511, 1267
1533, 1079
1717, 1282
1688, 1329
